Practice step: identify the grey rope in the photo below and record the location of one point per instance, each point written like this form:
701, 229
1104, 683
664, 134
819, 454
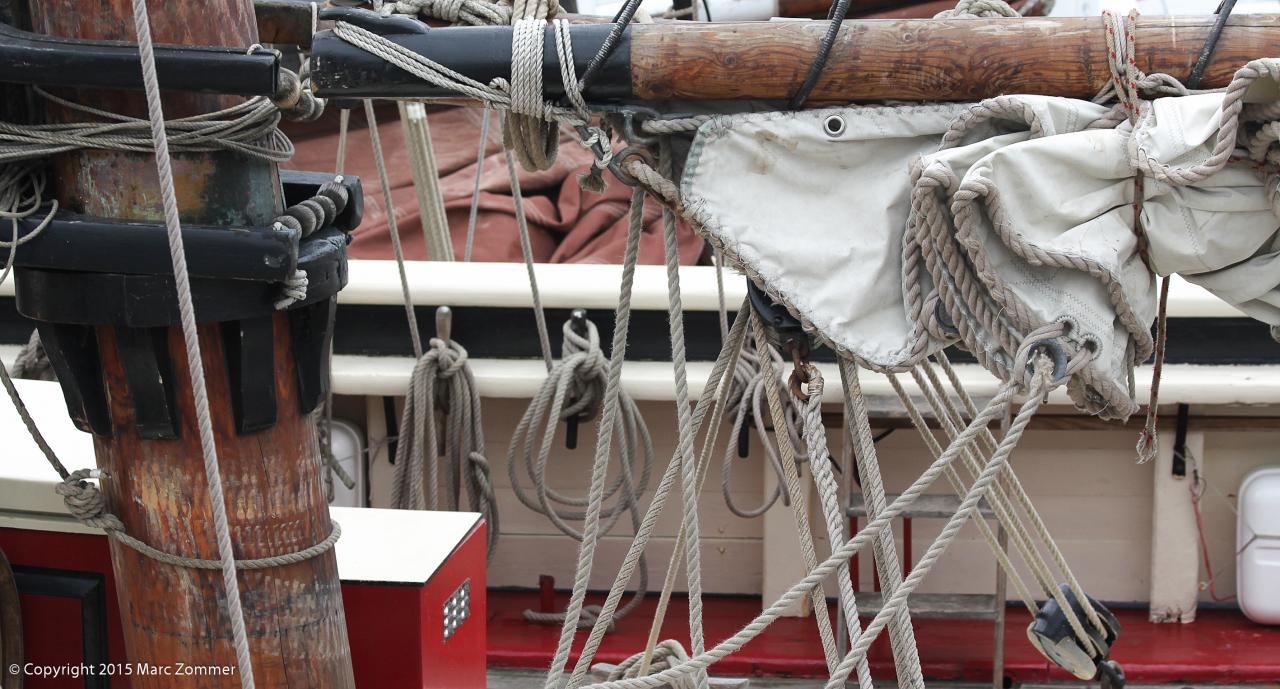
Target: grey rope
475, 191
575, 388
604, 440
746, 406
713, 396
248, 128
32, 362
442, 378
526, 251
906, 656
815, 435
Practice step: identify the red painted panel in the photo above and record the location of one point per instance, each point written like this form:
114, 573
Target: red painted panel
395, 630
458, 663
1221, 646
382, 627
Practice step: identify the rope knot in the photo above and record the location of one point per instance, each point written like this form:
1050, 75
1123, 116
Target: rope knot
85, 501
450, 357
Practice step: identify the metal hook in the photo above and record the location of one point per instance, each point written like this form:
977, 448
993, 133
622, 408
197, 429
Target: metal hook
798, 348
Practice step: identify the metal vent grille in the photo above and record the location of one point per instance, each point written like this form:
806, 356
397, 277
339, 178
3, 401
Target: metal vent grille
457, 609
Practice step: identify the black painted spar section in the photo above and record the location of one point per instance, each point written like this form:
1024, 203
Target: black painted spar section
30, 58
483, 53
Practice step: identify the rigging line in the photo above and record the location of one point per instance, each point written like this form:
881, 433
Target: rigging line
906, 654
526, 250
604, 441
814, 579
195, 365
393, 228
713, 395
475, 190
620, 21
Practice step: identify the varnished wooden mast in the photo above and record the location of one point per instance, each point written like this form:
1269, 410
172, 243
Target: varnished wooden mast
927, 59
876, 59
275, 502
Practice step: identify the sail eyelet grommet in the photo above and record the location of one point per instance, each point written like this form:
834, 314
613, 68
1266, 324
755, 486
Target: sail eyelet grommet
1055, 351
833, 126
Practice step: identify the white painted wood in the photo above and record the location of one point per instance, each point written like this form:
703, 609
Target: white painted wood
651, 380
561, 286
1175, 569
397, 546
26, 479
783, 562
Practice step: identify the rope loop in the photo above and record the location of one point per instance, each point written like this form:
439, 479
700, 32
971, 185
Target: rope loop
85, 501
1049, 343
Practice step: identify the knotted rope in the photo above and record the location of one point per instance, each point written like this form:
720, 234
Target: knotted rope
666, 655
574, 388
443, 382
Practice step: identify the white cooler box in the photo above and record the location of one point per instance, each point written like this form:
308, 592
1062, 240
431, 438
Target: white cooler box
1258, 542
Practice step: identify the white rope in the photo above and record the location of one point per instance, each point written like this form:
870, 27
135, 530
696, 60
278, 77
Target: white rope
815, 435
195, 365
906, 656
426, 181
604, 439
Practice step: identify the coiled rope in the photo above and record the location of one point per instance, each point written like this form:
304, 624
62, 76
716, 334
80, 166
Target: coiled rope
575, 387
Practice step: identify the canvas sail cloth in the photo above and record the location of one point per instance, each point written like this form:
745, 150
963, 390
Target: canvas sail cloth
914, 227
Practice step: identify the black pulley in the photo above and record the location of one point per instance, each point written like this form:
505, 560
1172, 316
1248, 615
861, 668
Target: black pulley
1051, 633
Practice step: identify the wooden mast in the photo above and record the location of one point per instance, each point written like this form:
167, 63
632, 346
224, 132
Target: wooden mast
155, 482
871, 59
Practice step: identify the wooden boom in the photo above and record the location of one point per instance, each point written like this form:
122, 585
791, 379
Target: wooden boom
907, 59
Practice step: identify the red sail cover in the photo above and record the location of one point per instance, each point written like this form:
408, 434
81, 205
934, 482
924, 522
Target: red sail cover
566, 224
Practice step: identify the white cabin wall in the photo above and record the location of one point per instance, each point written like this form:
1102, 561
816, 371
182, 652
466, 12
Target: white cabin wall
1095, 498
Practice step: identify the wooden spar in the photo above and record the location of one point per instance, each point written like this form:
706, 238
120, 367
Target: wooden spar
907, 59
155, 482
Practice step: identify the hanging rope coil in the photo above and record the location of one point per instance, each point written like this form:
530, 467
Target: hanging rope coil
746, 409
442, 383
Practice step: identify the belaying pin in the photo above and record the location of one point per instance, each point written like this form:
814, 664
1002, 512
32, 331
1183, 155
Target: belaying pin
578, 323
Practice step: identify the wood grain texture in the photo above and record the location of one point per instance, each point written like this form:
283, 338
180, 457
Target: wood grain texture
213, 188
275, 504
925, 60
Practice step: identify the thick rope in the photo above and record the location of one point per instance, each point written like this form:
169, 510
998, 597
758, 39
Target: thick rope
713, 397
746, 411
443, 383
814, 579
815, 435
906, 656
604, 439
798, 506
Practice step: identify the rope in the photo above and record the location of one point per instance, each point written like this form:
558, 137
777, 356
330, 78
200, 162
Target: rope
575, 388
745, 405
426, 181
829, 500
713, 396
604, 439
906, 656
443, 382
249, 128
475, 191
32, 362
825, 569
195, 365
